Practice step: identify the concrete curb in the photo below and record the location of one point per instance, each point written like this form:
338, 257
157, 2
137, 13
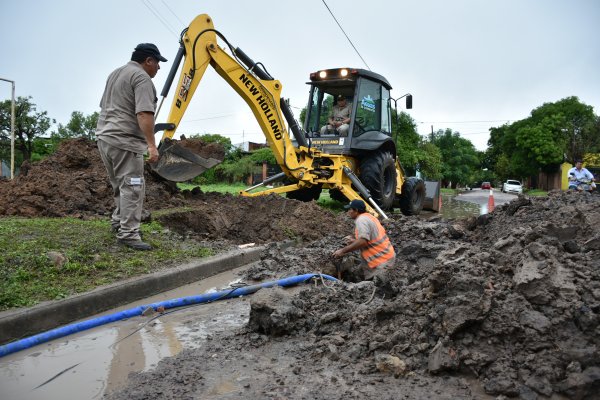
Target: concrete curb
16, 324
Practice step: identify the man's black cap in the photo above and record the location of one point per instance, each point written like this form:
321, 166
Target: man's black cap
341, 97
358, 205
151, 50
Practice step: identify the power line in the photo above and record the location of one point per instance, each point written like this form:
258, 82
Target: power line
352, 44
163, 21
172, 12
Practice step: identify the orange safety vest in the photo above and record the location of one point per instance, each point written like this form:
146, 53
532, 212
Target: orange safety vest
379, 250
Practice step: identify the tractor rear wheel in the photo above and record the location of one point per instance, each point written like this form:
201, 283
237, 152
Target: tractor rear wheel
413, 196
378, 174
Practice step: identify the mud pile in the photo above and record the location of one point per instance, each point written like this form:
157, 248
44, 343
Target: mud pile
72, 182
507, 304
264, 219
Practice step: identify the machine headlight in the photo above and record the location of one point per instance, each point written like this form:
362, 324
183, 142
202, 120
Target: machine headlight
323, 74
344, 72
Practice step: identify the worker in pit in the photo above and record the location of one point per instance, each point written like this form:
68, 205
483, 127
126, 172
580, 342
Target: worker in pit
339, 120
125, 132
370, 238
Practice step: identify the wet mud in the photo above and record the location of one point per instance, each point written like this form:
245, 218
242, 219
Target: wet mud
504, 305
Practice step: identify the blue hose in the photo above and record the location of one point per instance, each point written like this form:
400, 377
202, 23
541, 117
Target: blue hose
134, 312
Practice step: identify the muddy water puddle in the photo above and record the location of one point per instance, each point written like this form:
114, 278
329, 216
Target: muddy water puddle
93, 362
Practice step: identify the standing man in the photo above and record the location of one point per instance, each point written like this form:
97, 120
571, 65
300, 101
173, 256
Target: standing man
339, 120
580, 178
125, 132
370, 238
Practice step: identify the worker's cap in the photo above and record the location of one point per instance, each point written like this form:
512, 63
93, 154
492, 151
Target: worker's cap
358, 205
341, 97
151, 50
578, 160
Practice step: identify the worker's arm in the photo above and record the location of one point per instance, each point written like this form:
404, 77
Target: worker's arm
355, 245
146, 123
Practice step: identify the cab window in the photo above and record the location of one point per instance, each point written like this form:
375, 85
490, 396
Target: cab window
368, 110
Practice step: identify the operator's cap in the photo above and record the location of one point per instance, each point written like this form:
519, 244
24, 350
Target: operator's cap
358, 205
341, 97
151, 50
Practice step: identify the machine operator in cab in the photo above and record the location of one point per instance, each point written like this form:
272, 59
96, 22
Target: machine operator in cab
339, 120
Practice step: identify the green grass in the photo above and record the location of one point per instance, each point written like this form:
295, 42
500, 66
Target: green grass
92, 257
536, 192
235, 188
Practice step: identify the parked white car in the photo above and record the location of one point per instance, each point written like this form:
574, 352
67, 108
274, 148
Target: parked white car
511, 186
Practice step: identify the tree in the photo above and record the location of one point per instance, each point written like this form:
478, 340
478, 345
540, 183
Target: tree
29, 124
412, 150
553, 133
78, 126
460, 161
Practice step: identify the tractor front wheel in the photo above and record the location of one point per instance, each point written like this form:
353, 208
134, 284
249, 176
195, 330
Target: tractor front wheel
412, 196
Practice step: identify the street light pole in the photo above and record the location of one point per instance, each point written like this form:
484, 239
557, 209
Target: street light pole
12, 130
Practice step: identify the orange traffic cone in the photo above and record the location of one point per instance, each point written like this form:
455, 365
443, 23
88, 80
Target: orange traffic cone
491, 201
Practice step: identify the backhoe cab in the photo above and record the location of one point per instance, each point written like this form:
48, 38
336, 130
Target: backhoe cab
360, 165
369, 136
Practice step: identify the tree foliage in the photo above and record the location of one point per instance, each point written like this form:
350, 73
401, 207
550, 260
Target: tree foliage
553, 133
460, 160
78, 126
29, 125
413, 152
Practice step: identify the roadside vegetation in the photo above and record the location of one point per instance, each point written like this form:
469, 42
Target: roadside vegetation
52, 258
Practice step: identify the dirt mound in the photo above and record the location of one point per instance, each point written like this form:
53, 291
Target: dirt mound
210, 216
507, 304
72, 182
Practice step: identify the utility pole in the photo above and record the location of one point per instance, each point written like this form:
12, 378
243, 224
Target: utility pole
431, 133
12, 130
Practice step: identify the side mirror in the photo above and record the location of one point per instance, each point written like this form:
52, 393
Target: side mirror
409, 102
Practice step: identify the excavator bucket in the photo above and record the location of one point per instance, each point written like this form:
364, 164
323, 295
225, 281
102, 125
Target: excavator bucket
179, 163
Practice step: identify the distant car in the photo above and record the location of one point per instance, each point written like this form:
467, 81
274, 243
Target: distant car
511, 186
486, 185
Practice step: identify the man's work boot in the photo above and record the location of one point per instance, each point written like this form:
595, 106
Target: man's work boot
135, 244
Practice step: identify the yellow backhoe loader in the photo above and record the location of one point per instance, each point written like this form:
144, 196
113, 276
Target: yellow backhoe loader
361, 164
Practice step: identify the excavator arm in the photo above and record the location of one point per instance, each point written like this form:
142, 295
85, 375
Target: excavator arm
303, 165
263, 96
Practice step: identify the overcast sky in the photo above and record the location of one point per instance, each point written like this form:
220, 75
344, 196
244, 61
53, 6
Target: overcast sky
470, 64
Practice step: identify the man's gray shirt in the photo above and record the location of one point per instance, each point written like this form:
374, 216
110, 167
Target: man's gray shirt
129, 91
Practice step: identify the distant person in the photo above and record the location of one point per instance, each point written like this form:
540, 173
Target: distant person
370, 238
339, 119
580, 178
125, 132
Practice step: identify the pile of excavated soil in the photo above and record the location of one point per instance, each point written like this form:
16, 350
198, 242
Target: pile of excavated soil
263, 219
72, 182
504, 305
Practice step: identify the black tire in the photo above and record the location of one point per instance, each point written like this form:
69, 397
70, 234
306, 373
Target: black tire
338, 196
378, 174
413, 196
305, 194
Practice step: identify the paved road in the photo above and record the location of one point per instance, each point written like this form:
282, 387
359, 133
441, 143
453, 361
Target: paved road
481, 197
